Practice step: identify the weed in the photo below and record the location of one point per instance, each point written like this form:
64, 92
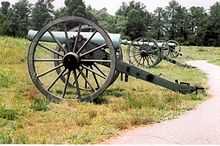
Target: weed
82, 119
21, 139
5, 138
40, 105
8, 114
6, 78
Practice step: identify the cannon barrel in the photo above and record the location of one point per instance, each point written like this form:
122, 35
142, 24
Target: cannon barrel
138, 43
59, 35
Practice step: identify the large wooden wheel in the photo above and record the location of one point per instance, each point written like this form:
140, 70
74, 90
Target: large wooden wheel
165, 50
82, 68
145, 52
174, 48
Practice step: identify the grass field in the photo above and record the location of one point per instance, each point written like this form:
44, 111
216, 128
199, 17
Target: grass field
26, 117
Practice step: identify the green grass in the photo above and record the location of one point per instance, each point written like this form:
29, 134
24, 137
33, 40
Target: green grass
7, 78
40, 105
9, 114
211, 54
125, 104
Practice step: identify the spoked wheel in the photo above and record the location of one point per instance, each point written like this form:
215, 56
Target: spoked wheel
58, 70
145, 52
165, 51
71, 65
174, 48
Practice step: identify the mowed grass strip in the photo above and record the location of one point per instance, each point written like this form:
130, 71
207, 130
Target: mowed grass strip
123, 105
211, 54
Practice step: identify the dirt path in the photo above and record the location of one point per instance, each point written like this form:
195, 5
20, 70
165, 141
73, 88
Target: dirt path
200, 126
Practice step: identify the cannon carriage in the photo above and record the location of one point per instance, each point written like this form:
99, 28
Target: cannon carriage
67, 63
148, 53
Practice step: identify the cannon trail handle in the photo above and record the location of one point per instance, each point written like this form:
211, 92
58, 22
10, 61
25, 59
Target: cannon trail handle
131, 70
177, 63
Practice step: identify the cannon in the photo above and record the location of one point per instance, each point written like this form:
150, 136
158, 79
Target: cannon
66, 63
148, 53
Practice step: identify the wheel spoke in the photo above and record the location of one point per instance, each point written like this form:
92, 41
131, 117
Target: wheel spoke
77, 84
139, 63
151, 59
57, 41
86, 42
80, 72
47, 60
50, 50
95, 60
93, 71
49, 71
77, 38
99, 70
86, 80
148, 62
66, 84
54, 82
87, 75
143, 61
66, 33
93, 50
95, 78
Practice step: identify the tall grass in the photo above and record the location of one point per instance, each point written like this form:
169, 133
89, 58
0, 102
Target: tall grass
13, 50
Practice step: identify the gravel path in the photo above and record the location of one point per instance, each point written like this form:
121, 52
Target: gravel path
200, 126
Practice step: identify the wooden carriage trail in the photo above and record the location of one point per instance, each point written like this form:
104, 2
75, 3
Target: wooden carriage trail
200, 126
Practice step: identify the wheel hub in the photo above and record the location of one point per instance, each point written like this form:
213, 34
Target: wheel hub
71, 61
143, 53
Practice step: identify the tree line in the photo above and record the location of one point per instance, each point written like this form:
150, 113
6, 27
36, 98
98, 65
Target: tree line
192, 26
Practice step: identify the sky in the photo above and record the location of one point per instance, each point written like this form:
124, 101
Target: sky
114, 5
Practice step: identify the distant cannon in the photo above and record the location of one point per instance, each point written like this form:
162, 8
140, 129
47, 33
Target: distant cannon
149, 53
63, 63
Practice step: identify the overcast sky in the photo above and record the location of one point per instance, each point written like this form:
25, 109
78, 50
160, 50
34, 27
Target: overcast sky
113, 5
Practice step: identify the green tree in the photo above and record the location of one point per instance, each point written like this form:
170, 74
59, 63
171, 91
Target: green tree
198, 25
5, 5
171, 19
75, 8
41, 13
19, 20
158, 23
212, 36
5, 13
138, 19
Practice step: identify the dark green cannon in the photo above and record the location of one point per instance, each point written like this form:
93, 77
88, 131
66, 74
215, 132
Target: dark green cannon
64, 61
148, 53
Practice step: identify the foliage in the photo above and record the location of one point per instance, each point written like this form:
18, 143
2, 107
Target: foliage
137, 19
75, 8
41, 14
213, 30
193, 26
19, 23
